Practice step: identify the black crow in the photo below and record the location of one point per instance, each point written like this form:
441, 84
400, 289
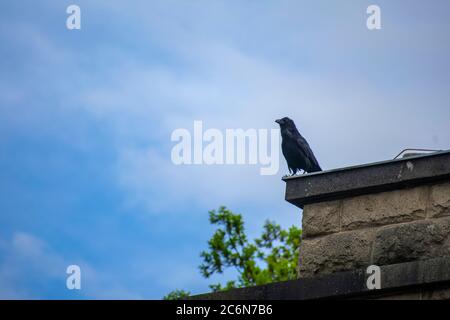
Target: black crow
296, 150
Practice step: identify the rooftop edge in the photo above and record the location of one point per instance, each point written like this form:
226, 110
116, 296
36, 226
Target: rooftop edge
367, 178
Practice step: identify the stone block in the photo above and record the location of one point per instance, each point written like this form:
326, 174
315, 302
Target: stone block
384, 208
321, 218
440, 200
411, 241
335, 252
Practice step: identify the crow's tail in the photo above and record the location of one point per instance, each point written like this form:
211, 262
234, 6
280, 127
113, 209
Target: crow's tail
315, 168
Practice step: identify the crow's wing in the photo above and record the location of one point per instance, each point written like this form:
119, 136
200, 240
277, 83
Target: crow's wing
304, 146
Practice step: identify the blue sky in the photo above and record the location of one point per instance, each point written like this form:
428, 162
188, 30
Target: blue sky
86, 116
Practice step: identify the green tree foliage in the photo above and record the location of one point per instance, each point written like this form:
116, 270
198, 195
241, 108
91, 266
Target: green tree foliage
177, 295
270, 258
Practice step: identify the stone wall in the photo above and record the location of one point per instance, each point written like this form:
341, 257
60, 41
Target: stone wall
381, 228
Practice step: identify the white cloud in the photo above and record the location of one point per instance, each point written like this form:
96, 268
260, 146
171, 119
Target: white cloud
23, 256
29, 266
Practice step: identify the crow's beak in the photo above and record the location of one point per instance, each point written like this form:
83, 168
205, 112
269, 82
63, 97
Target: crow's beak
278, 121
